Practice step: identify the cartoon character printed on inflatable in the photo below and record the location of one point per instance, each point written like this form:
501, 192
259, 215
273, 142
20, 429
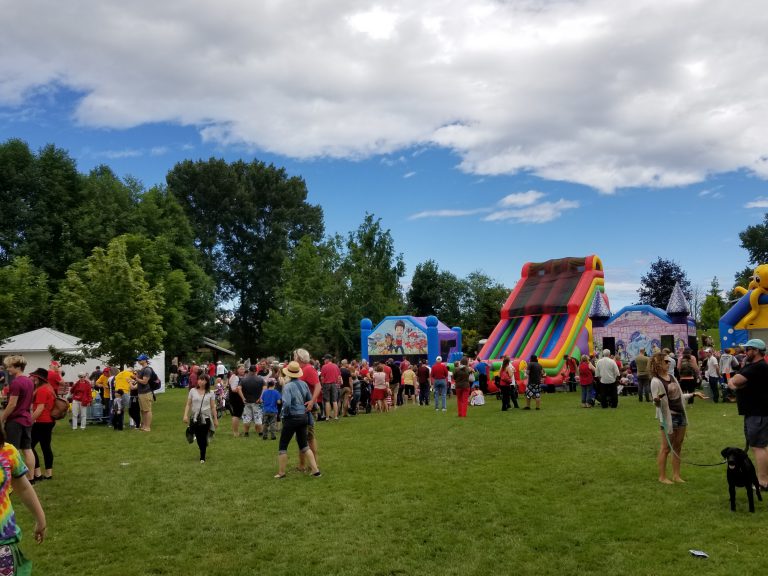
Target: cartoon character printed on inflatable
758, 284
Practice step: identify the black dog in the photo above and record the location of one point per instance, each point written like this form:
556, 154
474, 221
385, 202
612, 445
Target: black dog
741, 473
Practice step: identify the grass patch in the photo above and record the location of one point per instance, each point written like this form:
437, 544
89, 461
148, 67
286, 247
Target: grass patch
562, 491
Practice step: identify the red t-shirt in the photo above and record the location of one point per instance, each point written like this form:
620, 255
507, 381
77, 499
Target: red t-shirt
586, 377
387, 371
81, 392
46, 396
329, 373
310, 377
439, 371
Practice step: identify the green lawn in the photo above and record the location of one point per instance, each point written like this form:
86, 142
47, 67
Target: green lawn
561, 491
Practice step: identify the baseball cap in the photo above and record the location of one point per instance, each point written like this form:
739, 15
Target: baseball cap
142, 357
755, 343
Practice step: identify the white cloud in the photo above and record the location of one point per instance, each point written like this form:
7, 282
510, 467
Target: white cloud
409, 174
159, 150
607, 94
536, 214
446, 213
757, 203
117, 154
521, 198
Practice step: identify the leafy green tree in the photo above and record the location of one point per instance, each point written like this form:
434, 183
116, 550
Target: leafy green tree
754, 239
18, 183
309, 311
713, 307
373, 270
108, 303
247, 218
482, 307
438, 292
24, 299
656, 286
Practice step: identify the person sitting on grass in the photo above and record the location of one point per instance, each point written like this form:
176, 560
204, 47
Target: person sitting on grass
476, 397
297, 402
669, 399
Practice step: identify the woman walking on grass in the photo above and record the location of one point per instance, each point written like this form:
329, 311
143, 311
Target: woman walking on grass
297, 401
201, 407
43, 401
461, 374
669, 399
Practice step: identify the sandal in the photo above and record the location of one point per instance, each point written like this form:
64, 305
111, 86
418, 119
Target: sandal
317, 474
279, 476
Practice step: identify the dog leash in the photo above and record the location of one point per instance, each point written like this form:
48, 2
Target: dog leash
671, 449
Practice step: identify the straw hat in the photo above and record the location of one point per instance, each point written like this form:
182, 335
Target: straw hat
293, 370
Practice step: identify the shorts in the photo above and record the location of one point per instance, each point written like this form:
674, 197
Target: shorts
330, 393
756, 431
310, 432
252, 412
18, 435
408, 389
145, 402
394, 388
236, 405
533, 391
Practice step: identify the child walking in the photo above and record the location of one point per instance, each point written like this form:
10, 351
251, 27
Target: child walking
270, 398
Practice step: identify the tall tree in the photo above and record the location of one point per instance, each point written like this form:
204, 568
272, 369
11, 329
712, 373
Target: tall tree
247, 217
309, 303
754, 239
656, 286
24, 299
482, 308
713, 307
107, 302
438, 292
373, 269
18, 183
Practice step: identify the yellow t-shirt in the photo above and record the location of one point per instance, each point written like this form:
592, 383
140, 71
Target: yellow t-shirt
409, 377
122, 381
103, 381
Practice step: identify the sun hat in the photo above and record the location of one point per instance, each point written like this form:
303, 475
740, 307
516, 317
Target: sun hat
40, 373
55, 364
755, 343
293, 370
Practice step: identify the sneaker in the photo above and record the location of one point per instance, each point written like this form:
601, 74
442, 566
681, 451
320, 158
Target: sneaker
246, 434
317, 474
202, 461
443, 409
527, 408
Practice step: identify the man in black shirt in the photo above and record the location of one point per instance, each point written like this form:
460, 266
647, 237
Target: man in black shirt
751, 386
252, 385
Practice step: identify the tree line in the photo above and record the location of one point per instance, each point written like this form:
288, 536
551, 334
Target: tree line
227, 250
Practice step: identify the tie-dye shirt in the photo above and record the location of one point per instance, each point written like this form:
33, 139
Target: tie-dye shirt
13, 466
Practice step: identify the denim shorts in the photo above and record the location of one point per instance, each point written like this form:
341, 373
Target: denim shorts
252, 412
679, 421
756, 431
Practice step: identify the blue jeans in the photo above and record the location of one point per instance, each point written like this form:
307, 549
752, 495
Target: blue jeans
440, 390
586, 393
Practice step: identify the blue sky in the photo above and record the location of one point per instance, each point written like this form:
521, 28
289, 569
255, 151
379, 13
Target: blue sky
483, 134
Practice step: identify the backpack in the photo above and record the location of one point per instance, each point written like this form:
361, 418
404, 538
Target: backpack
154, 382
60, 408
686, 368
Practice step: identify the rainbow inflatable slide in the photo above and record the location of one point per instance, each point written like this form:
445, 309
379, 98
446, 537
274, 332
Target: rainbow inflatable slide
547, 314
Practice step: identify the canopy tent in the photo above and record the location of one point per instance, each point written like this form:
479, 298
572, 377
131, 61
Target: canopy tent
34, 346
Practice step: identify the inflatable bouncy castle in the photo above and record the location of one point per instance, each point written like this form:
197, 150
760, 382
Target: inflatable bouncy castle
748, 318
547, 314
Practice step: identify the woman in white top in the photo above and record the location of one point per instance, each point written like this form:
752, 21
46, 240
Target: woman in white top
201, 408
669, 399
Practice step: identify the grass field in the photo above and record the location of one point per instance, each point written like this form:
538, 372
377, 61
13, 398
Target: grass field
561, 491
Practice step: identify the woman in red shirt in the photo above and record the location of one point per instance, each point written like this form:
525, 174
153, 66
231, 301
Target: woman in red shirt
43, 401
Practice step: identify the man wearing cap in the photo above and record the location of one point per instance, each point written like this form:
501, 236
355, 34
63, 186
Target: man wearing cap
439, 377
143, 375
81, 399
751, 386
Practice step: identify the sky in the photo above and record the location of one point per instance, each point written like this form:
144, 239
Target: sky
483, 134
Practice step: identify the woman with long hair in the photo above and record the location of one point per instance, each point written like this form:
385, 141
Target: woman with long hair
43, 400
506, 381
200, 413
669, 399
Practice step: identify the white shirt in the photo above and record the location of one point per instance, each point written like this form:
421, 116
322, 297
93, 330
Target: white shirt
606, 370
712, 367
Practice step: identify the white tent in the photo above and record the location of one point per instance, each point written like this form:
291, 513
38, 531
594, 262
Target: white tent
34, 347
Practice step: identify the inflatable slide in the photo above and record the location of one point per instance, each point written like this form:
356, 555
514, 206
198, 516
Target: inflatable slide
547, 314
